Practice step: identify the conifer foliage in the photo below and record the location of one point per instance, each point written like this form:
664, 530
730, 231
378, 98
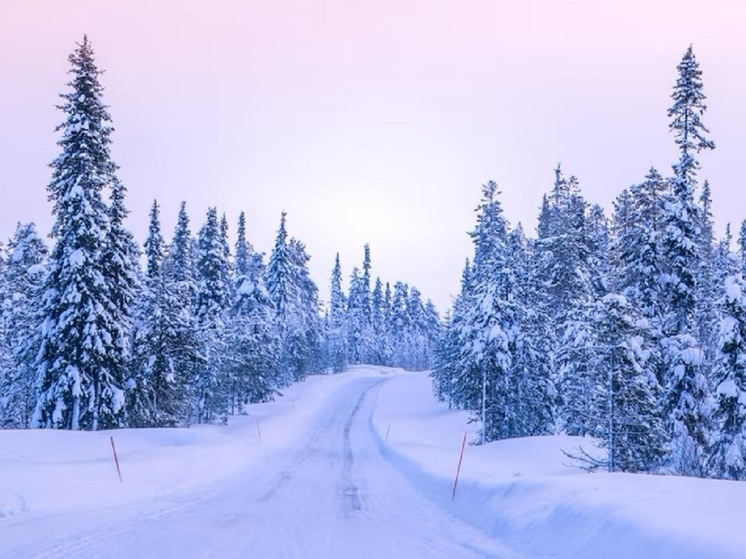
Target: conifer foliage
630, 329
606, 328
82, 383
89, 341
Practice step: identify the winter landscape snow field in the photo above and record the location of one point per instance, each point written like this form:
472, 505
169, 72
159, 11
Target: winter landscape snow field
359, 464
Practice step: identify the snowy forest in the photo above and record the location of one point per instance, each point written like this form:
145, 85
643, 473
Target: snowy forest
90, 340
629, 328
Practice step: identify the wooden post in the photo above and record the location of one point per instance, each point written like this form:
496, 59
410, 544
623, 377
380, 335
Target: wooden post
387, 434
258, 430
116, 458
458, 468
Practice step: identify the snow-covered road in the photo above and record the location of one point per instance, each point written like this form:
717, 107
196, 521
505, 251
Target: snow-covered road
331, 494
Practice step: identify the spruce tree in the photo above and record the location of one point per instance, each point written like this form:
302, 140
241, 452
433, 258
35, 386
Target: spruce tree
337, 336
686, 388
252, 359
120, 261
24, 277
213, 298
80, 386
727, 450
295, 299
166, 350
626, 393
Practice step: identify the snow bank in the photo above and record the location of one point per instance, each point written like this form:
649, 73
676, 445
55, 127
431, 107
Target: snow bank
526, 491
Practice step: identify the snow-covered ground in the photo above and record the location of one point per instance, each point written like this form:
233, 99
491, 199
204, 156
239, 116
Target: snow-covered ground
353, 465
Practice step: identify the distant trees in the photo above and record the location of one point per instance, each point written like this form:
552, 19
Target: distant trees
377, 327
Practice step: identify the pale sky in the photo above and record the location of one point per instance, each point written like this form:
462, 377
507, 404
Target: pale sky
371, 121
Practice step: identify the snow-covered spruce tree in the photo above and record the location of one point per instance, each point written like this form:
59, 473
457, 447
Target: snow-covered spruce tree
368, 343
212, 387
24, 278
398, 325
626, 393
8, 414
637, 248
598, 240
708, 288
727, 450
337, 332
308, 356
432, 330
742, 245
80, 387
122, 274
418, 356
252, 358
686, 391
447, 371
295, 299
565, 281
531, 373
355, 318
490, 325
382, 344
165, 347
179, 262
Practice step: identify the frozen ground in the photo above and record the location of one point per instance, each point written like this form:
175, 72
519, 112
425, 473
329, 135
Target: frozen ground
353, 465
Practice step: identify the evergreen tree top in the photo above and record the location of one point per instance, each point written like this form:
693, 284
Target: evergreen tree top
154, 242
686, 112
84, 167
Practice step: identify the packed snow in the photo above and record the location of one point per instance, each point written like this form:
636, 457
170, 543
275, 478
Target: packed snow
359, 464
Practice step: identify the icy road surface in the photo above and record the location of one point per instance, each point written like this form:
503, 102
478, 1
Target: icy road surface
333, 495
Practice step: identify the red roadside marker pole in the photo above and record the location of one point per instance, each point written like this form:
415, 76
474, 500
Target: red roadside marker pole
116, 458
458, 468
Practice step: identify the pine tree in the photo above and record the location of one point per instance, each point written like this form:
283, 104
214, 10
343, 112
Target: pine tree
626, 396
166, 347
448, 354
179, 262
742, 245
253, 359
309, 355
686, 389
398, 324
532, 411
706, 318
120, 261
213, 297
727, 451
561, 267
79, 387
381, 346
337, 335
295, 299
638, 245
355, 317
489, 328
685, 114
24, 275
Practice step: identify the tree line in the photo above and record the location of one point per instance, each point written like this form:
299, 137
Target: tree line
630, 328
90, 340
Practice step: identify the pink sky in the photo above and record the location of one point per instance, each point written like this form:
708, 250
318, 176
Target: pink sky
371, 121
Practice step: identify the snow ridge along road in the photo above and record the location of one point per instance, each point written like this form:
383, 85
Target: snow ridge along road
331, 494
